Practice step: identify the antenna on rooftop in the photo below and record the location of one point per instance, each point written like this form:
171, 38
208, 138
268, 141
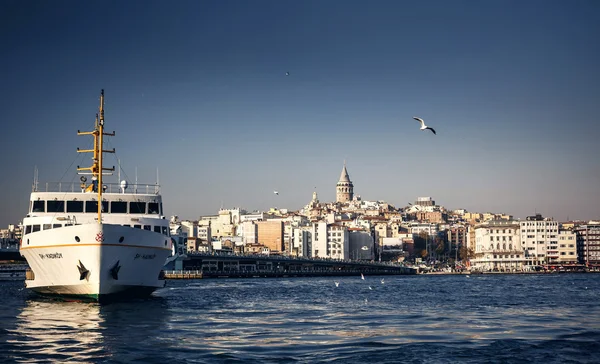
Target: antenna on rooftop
135, 187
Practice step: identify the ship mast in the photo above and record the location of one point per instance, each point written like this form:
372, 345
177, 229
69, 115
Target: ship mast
97, 168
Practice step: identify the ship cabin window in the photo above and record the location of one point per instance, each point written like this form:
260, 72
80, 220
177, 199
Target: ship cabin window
27, 229
35, 228
157, 229
38, 206
92, 206
47, 226
137, 226
161, 210
137, 207
153, 208
164, 230
55, 206
147, 227
118, 207
54, 226
74, 206
68, 224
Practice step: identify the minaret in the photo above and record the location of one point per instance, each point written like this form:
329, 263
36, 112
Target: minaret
344, 187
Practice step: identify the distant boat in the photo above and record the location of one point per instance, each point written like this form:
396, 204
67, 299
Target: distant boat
77, 247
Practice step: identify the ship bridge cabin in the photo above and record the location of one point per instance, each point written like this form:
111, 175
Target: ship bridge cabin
50, 210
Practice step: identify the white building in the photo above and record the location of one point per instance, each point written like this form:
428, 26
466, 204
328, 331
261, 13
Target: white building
497, 246
330, 241
537, 235
248, 230
301, 244
428, 228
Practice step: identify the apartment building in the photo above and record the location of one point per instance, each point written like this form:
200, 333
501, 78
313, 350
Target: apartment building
538, 234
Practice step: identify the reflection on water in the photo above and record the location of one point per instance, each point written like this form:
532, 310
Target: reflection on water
544, 318
52, 330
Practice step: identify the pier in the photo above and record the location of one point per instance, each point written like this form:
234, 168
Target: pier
254, 266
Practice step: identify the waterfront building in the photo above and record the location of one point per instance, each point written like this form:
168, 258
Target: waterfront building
270, 234
329, 241
248, 230
204, 233
190, 227
301, 243
588, 243
344, 188
457, 238
565, 252
537, 235
497, 246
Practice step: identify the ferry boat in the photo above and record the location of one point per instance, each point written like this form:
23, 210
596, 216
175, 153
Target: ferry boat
95, 240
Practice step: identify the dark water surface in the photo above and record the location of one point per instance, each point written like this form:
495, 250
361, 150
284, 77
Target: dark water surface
553, 318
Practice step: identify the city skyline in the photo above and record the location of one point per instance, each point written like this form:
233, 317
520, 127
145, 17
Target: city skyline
231, 100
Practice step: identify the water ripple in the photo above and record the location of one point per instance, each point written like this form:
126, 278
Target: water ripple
422, 319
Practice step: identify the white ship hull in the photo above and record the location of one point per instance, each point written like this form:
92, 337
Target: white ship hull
96, 260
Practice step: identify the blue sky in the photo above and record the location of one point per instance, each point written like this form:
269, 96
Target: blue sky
198, 89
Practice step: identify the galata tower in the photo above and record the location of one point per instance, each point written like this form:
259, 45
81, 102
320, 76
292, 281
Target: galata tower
344, 188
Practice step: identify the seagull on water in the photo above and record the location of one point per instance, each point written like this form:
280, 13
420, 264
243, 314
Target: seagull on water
337, 284
423, 126
382, 280
362, 277
370, 287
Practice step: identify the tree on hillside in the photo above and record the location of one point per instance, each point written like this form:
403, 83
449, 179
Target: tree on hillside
466, 253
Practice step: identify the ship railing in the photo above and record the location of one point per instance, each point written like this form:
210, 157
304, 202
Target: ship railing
136, 188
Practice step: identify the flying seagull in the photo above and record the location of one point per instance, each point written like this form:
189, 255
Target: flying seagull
423, 126
336, 283
362, 276
275, 192
287, 73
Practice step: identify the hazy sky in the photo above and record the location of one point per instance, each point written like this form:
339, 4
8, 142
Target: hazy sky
198, 89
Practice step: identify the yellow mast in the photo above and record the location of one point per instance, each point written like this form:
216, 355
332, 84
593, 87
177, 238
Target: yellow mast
97, 167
